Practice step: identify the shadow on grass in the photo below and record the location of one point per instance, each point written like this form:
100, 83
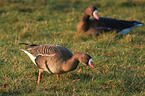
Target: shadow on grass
132, 4
10, 93
134, 84
2, 11
26, 9
1, 62
72, 76
81, 77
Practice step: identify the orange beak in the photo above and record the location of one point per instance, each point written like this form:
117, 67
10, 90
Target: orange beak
95, 15
91, 64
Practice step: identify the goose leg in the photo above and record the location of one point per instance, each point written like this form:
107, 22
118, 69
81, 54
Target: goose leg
40, 73
58, 75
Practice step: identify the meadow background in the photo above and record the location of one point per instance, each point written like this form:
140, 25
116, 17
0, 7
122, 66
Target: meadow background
119, 60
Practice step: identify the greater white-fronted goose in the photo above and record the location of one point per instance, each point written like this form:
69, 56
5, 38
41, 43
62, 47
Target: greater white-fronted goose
55, 58
99, 25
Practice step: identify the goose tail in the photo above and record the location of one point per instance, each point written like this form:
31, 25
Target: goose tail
32, 57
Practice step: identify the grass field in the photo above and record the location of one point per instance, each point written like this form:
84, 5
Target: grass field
119, 60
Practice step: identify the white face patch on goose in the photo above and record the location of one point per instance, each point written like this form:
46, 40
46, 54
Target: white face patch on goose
90, 61
95, 14
96, 11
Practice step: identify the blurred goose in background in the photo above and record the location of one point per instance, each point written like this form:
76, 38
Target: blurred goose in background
55, 59
97, 25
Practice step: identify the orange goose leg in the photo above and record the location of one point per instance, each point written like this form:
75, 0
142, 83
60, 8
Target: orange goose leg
40, 73
58, 75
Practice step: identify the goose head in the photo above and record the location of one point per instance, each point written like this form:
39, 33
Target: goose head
86, 60
92, 11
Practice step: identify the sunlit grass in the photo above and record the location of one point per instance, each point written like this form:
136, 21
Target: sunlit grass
119, 60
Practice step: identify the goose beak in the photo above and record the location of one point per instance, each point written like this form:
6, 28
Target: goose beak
91, 64
95, 14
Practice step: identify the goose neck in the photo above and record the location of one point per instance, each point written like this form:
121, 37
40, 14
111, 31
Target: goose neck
85, 17
71, 64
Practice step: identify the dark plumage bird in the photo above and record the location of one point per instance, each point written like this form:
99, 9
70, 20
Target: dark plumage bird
99, 25
55, 59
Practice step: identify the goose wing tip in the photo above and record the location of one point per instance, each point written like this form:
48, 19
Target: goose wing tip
21, 43
138, 24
